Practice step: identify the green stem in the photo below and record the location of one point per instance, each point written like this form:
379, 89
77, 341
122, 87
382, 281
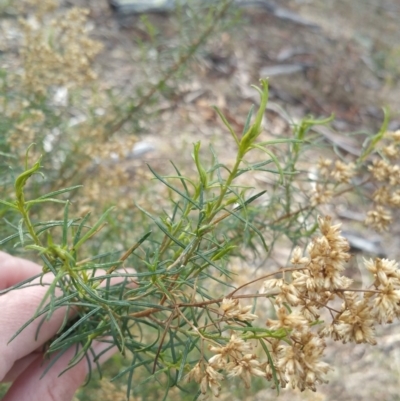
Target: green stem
225, 188
29, 225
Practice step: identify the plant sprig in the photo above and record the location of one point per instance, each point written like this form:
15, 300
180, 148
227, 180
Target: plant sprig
183, 299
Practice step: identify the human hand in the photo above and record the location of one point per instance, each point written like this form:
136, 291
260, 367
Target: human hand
22, 359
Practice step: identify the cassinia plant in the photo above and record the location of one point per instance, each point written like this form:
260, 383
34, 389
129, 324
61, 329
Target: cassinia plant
187, 314
182, 313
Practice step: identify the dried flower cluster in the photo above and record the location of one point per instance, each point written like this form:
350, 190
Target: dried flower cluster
385, 174
343, 172
56, 105
295, 337
338, 172
233, 310
28, 126
55, 55
234, 360
58, 56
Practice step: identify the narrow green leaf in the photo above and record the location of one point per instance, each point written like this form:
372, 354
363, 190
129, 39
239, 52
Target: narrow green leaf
271, 363
58, 192
81, 225
9, 204
278, 141
249, 200
53, 360
255, 129
217, 166
8, 155
182, 179
9, 238
21, 232
151, 377
162, 227
200, 169
225, 121
59, 302
249, 328
141, 347
224, 251
171, 346
275, 160
248, 120
132, 368
377, 137
78, 356
115, 328
255, 229
166, 183
93, 229
65, 225
21, 284
167, 387
185, 354
66, 333
29, 204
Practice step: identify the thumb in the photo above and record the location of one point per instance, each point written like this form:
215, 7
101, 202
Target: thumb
53, 387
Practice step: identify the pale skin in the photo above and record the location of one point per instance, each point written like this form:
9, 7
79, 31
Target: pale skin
22, 359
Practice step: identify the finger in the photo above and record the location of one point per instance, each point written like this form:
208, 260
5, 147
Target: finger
19, 366
14, 270
18, 307
52, 387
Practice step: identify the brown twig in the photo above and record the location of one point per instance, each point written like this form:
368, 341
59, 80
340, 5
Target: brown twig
167, 324
150, 311
289, 269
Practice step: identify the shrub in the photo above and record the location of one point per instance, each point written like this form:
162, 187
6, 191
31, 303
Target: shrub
192, 315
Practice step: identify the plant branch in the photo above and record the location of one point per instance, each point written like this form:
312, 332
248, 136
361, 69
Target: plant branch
183, 59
